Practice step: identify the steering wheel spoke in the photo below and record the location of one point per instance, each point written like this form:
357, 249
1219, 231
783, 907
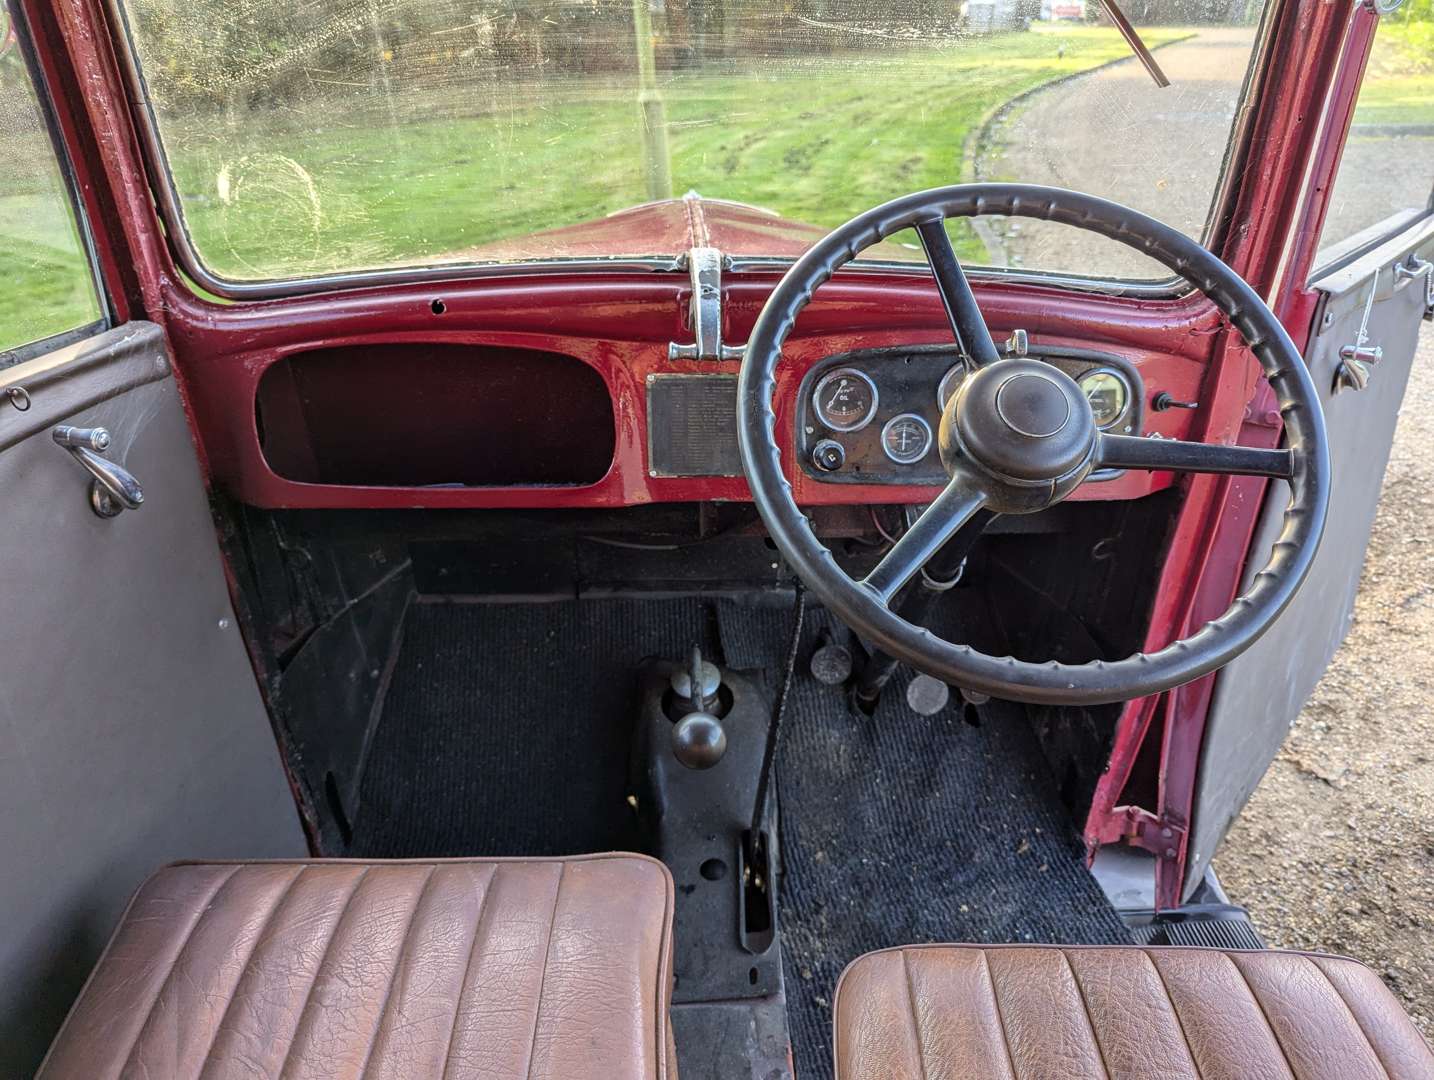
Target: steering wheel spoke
928, 534
969, 328
1176, 455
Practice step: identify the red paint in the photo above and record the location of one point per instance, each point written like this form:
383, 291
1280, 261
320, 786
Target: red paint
670, 226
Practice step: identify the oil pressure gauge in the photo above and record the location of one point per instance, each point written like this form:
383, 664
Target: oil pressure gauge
906, 438
845, 400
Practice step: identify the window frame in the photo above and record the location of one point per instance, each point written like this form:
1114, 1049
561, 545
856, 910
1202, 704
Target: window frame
1214, 234
18, 354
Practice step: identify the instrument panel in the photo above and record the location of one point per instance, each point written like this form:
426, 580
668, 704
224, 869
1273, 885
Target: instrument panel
871, 416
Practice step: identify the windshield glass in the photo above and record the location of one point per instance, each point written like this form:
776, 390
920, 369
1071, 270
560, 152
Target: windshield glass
328, 136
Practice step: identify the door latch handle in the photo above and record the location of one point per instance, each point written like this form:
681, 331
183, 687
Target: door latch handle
113, 488
1356, 360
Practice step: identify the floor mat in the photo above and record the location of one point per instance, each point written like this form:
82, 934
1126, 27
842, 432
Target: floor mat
898, 828
506, 731
506, 727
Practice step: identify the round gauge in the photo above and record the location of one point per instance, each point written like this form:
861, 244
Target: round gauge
1108, 394
845, 400
906, 438
949, 382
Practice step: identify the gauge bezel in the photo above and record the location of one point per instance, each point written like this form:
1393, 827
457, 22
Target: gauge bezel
955, 369
926, 447
1119, 377
816, 399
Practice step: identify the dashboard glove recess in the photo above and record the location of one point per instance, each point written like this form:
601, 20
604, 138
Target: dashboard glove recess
1018, 436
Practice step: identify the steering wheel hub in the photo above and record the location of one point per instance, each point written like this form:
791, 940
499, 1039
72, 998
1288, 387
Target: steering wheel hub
1022, 424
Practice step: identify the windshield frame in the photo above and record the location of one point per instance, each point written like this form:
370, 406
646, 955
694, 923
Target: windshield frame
193, 268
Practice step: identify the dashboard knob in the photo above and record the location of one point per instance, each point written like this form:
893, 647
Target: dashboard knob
828, 455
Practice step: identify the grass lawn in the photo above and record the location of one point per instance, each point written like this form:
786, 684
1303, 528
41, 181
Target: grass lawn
816, 139
1398, 88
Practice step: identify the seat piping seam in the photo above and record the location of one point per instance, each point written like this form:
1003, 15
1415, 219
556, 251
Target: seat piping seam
397, 967
1372, 1048
543, 978
319, 969
911, 1010
1085, 1007
1174, 1011
248, 960
1289, 1065
173, 965
1000, 1019
468, 969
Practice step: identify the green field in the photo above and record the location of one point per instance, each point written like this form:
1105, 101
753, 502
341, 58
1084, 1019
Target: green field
1398, 88
426, 174
338, 185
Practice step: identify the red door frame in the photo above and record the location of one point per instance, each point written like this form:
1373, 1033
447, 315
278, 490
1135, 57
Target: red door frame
1319, 52
1284, 167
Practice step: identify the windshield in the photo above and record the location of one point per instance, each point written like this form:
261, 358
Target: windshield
320, 137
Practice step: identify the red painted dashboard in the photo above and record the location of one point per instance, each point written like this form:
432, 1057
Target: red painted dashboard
380, 414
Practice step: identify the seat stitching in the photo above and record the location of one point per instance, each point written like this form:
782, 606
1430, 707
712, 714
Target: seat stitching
911, 1009
468, 968
248, 960
1289, 1065
397, 967
1174, 1011
1000, 1020
1085, 1007
174, 965
1373, 1049
543, 978
319, 969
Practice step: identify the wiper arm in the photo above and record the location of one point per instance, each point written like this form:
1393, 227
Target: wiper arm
1132, 38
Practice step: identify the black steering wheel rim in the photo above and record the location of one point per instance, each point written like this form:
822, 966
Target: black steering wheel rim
1213, 645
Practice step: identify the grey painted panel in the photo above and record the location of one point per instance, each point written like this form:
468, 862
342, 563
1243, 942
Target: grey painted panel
131, 728
1259, 695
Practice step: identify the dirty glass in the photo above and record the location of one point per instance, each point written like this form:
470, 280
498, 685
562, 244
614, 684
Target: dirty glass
1388, 161
330, 135
45, 283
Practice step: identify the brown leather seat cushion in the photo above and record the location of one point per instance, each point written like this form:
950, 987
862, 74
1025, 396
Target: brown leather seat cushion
487, 968
946, 1011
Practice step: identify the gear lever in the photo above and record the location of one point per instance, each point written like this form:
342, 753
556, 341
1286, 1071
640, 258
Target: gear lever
698, 739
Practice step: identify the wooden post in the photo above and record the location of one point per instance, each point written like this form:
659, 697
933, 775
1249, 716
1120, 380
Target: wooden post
656, 165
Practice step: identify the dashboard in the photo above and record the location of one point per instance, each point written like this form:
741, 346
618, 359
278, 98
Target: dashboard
543, 395
871, 416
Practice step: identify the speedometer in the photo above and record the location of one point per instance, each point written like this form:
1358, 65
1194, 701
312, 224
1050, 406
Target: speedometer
845, 400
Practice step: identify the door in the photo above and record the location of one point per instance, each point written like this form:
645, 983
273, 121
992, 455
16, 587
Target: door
1374, 279
132, 732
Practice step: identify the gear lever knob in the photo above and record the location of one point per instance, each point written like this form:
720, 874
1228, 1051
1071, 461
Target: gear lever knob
698, 739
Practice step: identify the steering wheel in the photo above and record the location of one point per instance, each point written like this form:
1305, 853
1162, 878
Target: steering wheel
1018, 436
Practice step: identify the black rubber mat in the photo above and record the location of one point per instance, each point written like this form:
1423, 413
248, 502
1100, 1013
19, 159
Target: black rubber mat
898, 828
506, 728
506, 731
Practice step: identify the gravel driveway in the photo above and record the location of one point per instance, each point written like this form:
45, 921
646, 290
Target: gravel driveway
1335, 852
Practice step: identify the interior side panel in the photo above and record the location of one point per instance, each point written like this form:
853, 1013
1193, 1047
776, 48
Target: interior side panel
1260, 694
132, 732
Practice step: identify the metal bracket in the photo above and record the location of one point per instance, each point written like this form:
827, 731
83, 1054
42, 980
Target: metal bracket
1412, 269
1355, 360
704, 264
1150, 833
113, 489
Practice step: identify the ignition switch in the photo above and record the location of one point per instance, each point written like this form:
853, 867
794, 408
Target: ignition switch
828, 455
